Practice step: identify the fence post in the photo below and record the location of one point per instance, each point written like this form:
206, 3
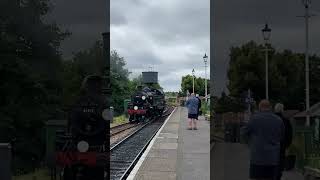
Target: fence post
5, 163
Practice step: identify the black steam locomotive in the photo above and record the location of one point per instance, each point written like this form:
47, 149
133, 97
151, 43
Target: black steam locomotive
146, 103
82, 151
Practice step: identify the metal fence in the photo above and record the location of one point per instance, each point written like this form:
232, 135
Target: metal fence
311, 150
228, 125
307, 144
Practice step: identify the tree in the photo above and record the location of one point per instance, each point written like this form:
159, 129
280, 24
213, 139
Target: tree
134, 83
199, 85
286, 75
227, 104
30, 70
121, 88
86, 62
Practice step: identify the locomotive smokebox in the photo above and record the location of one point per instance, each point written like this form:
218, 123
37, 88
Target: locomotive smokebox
150, 77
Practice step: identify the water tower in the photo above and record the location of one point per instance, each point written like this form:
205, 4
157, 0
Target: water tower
150, 77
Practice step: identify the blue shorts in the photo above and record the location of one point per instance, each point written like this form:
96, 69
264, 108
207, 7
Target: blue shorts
193, 116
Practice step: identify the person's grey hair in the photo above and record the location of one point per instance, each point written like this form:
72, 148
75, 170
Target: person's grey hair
279, 108
192, 94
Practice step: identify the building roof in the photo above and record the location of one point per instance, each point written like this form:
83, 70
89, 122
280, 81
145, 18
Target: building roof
314, 111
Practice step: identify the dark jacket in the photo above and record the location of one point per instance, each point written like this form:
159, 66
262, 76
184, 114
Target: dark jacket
199, 105
287, 140
264, 132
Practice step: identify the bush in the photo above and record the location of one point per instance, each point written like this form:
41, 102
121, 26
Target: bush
119, 120
205, 108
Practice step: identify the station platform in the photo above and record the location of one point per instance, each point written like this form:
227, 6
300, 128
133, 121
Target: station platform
175, 152
230, 161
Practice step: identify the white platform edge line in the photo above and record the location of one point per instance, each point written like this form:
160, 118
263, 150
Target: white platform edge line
146, 152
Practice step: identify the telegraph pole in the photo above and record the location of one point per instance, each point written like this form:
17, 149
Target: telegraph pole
205, 59
193, 80
266, 32
307, 15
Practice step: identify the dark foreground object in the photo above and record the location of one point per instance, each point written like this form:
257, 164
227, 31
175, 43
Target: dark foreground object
258, 171
5, 161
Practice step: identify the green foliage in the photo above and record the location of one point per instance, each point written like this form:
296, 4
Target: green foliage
199, 85
83, 63
205, 108
41, 174
137, 81
30, 72
120, 84
227, 104
286, 75
156, 86
119, 120
171, 94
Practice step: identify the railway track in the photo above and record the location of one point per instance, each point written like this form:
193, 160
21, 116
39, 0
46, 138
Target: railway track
123, 127
125, 154
117, 133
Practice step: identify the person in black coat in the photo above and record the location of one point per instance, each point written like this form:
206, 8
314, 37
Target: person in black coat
287, 140
199, 106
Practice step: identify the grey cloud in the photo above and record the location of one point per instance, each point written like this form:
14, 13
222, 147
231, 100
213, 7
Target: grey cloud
86, 20
79, 11
236, 22
172, 36
118, 19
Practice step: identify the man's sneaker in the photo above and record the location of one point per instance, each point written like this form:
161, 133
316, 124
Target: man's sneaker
195, 128
189, 128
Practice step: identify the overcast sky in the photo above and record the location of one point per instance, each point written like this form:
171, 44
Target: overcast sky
236, 22
86, 20
169, 35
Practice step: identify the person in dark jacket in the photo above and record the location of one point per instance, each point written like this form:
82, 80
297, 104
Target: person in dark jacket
264, 132
192, 105
286, 142
199, 106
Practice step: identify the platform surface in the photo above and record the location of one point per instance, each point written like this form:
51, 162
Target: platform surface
177, 153
230, 161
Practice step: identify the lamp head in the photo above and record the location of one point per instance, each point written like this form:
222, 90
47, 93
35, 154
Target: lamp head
266, 32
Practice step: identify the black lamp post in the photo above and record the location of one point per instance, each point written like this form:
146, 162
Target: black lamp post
266, 32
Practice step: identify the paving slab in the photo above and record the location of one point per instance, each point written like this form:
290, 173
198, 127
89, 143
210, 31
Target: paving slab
155, 175
177, 153
230, 161
193, 150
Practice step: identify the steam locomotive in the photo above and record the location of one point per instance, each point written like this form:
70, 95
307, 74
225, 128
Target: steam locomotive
82, 151
146, 102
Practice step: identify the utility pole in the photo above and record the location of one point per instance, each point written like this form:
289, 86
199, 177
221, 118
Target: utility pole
205, 59
193, 80
307, 15
266, 32
307, 64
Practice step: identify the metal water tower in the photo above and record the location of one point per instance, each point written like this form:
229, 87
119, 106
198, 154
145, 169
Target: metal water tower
150, 77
